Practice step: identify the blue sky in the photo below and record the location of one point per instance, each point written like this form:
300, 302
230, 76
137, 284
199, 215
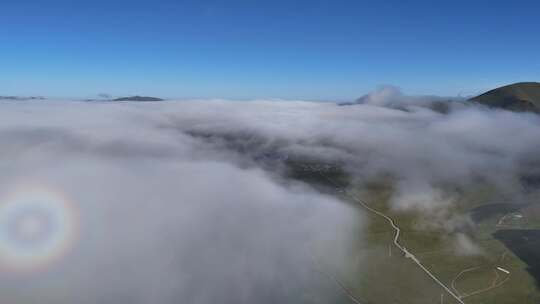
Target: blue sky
259, 49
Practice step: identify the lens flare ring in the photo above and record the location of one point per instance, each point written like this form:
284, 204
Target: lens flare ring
37, 227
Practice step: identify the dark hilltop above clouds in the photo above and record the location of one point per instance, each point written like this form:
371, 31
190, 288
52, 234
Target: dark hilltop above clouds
138, 98
21, 98
129, 98
392, 97
520, 97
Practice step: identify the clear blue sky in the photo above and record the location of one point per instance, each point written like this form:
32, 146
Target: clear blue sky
253, 49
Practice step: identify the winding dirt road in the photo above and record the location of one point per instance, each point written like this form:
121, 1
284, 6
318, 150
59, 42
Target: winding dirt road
407, 253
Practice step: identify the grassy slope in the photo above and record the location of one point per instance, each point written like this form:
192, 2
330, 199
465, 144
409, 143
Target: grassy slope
375, 276
523, 96
395, 279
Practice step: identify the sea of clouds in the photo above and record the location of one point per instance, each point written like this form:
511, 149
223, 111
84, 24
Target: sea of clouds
174, 204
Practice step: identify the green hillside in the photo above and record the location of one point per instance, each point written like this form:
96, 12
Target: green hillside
521, 97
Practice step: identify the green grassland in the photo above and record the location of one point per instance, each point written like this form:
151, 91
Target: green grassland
379, 273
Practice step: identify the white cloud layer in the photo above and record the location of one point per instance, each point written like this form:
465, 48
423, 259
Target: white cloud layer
174, 204
163, 218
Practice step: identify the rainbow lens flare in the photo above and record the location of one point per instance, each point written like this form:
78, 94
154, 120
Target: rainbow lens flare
37, 227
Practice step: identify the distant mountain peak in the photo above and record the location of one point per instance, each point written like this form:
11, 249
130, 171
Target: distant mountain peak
21, 98
138, 98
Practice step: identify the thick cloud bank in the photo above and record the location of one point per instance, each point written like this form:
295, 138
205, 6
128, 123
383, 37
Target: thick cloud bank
175, 202
418, 148
156, 216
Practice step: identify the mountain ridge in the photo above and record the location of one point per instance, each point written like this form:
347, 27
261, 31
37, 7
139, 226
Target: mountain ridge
519, 97
138, 98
